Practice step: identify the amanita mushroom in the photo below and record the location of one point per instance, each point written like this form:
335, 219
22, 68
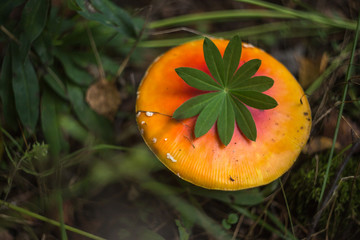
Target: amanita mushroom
206, 161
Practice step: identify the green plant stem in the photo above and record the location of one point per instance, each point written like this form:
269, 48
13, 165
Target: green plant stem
218, 16
348, 73
48, 220
287, 207
314, 17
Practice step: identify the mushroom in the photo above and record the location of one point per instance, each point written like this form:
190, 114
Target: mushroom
205, 161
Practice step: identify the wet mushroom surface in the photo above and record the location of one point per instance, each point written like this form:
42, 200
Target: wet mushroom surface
205, 161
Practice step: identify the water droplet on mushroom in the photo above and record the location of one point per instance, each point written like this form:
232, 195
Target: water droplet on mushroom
154, 140
149, 114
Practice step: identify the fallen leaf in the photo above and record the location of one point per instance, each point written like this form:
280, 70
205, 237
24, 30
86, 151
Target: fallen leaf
310, 69
104, 98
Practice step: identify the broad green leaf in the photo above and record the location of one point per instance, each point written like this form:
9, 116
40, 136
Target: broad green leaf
119, 16
55, 83
50, 123
193, 106
33, 21
26, 89
232, 58
246, 71
76, 74
208, 115
109, 15
97, 124
258, 84
6, 91
198, 79
226, 122
214, 61
42, 46
255, 99
244, 120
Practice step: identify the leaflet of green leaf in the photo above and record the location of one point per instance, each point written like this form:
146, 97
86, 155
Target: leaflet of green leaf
193, 106
231, 58
214, 61
208, 116
229, 89
244, 120
255, 99
246, 71
259, 84
198, 79
226, 121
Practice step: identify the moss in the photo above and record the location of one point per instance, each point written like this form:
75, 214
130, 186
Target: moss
305, 191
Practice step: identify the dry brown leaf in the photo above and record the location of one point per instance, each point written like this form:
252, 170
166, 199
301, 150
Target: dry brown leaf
310, 69
104, 98
318, 144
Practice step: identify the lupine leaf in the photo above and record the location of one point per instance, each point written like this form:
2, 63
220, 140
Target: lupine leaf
258, 84
193, 106
226, 121
232, 58
256, 99
233, 90
214, 61
198, 79
208, 115
246, 71
244, 120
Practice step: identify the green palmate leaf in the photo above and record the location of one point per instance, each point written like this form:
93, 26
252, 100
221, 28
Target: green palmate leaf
198, 79
246, 71
193, 106
214, 61
244, 119
255, 99
209, 114
232, 58
234, 89
258, 84
226, 121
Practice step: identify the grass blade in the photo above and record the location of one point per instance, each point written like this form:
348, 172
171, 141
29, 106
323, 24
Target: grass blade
347, 77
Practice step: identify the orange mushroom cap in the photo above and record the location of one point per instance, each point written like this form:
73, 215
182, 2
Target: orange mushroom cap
205, 161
